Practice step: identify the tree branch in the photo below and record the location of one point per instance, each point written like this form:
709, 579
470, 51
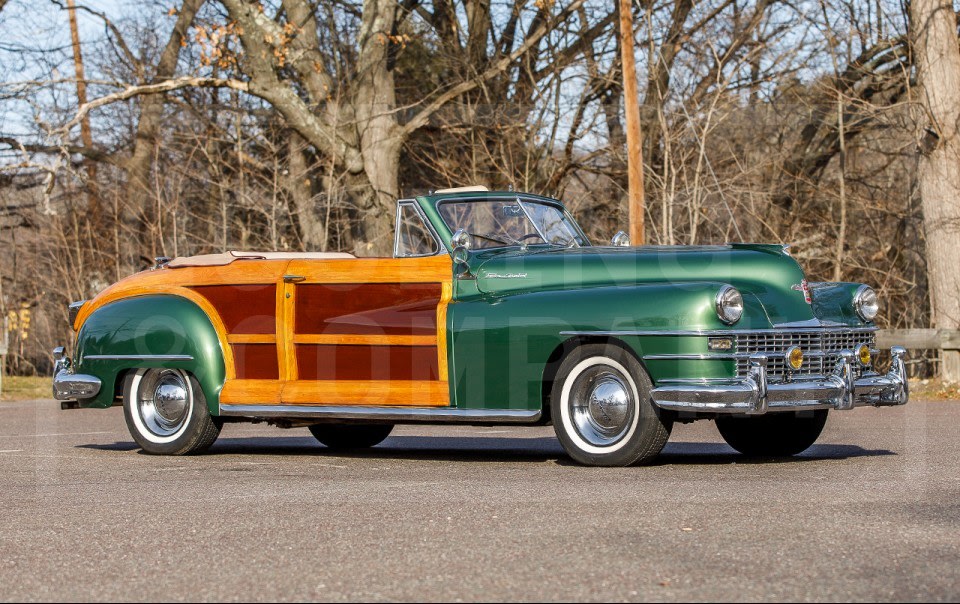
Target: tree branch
159, 87
493, 71
137, 64
91, 153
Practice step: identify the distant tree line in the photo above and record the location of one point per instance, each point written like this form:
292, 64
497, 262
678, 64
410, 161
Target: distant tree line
206, 125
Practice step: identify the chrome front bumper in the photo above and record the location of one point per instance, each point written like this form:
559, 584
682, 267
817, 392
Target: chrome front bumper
842, 389
70, 386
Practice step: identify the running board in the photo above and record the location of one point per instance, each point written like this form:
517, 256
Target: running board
391, 414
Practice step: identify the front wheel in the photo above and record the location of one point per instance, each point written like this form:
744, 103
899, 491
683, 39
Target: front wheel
351, 436
167, 413
775, 434
602, 411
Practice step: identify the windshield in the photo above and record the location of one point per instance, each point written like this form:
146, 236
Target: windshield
501, 222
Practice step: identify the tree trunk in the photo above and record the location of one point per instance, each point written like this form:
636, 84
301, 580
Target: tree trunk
380, 136
139, 188
86, 136
937, 57
313, 228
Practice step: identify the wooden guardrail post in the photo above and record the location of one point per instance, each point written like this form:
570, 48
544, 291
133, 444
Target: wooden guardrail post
936, 339
3, 352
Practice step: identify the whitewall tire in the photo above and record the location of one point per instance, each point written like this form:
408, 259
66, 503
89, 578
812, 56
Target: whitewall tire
602, 411
166, 412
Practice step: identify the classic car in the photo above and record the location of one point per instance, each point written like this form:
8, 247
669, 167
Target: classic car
494, 309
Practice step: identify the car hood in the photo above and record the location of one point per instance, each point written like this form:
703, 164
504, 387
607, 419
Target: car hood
761, 272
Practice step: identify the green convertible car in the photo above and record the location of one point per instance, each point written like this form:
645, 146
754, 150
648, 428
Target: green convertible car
495, 308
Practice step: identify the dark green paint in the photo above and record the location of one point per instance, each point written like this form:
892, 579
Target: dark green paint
150, 325
501, 344
506, 322
835, 300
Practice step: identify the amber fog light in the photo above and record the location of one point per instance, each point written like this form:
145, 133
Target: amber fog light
794, 358
863, 355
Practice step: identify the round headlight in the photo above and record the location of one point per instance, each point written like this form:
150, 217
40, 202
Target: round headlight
865, 302
729, 304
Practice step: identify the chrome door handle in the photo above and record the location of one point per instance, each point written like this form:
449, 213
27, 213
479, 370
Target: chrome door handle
293, 278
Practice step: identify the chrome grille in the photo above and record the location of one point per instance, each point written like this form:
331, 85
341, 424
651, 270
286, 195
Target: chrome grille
821, 349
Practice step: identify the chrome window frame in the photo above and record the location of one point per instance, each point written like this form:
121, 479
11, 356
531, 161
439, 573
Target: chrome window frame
441, 248
544, 200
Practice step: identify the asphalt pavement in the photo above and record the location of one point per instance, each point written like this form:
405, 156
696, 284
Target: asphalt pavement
871, 512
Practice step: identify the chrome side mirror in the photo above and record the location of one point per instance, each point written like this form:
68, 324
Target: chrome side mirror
460, 239
621, 239
461, 254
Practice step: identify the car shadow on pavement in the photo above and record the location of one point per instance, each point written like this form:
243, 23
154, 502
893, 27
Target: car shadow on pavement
692, 453
116, 446
432, 448
500, 449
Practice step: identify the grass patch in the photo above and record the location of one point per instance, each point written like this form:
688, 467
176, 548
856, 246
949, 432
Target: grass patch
18, 388
934, 390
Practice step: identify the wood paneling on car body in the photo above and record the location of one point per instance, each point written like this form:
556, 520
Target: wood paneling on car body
367, 308
244, 309
361, 362
348, 356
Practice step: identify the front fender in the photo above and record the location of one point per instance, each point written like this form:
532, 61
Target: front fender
833, 301
500, 346
153, 331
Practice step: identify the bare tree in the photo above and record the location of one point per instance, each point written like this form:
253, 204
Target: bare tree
209, 134
937, 54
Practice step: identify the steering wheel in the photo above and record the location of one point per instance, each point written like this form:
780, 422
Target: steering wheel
528, 236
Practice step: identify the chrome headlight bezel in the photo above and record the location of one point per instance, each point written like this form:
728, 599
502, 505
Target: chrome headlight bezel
866, 303
729, 304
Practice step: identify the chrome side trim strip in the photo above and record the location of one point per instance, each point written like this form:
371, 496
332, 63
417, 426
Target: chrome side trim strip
693, 357
817, 323
396, 414
719, 332
138, 357
699, 381
732, 356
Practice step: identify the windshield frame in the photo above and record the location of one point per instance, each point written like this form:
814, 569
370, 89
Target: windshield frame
517, 197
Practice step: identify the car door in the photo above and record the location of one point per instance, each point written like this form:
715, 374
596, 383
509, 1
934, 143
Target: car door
365, 331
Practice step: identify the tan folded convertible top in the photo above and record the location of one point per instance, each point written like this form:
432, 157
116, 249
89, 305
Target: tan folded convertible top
230, 257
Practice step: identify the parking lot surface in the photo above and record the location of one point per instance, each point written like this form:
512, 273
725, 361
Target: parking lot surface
871, 512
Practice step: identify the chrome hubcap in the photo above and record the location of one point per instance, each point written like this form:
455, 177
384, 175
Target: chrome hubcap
164, 401
601, 405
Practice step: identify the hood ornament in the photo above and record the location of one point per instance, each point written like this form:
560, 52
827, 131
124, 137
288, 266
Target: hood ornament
805, 288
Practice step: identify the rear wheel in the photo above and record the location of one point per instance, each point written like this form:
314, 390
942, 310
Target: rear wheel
351, 436
167, 413
774, 434
602, 411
